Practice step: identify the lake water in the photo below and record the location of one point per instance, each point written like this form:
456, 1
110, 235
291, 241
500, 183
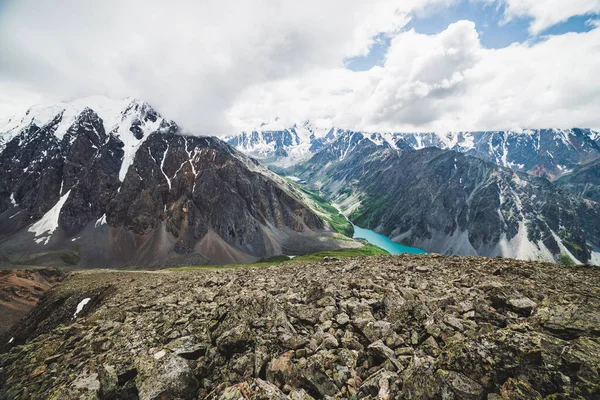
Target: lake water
384, 242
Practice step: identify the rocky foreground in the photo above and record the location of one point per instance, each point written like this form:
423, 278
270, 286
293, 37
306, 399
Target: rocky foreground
414, 327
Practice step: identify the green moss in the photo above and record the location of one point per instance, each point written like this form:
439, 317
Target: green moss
68, 257
574, 246
131, 267
566, 260
71, 257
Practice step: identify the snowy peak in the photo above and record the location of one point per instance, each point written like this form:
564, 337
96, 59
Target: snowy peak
123, 184
129, 121
283, 145
64, 115
550, 153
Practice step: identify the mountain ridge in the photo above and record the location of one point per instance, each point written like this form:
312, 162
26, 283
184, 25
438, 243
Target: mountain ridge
444, 201
143, 192
527, 150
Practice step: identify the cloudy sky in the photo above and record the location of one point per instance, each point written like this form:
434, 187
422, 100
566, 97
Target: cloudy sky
217, 66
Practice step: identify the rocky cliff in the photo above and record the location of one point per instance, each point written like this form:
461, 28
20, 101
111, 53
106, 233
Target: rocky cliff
100, 182
415, 327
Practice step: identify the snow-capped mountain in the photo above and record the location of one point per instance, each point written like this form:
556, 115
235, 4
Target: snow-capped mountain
111, 182
551, 153
447, 202
272, 143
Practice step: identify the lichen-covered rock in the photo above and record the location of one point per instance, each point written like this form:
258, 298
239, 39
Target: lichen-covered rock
357, 328
522, 306
170, 378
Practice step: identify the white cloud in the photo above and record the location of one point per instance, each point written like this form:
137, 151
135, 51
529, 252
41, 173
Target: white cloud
212, 64
191, 59
546, 13
15, 98
593, 22
447, 81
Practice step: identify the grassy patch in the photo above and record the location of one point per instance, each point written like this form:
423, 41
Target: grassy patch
566, 260
365, 251
574, 246
71, 257
67, 257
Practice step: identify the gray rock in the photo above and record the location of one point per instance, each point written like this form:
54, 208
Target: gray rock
462, 386
342, 319
522, 306
385, 352
234, 339
315, 375
187, 347
171, 378
454, 322
250, 330
377, 330
378, 384
107, 376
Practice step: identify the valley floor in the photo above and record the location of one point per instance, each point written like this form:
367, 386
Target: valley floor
407, 326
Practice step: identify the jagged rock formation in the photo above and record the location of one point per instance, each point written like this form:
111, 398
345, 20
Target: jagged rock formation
549, 153
122, 185
445, 202
418, 327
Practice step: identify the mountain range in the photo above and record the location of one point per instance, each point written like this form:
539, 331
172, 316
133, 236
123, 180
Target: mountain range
99, 182
446, 202
549, 153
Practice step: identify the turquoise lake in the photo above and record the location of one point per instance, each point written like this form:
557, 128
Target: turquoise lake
384, 242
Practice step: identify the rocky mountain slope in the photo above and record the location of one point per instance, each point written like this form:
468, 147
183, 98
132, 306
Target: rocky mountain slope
584, 181
443, 201
20, 290
99, 182
550, 153
418, 327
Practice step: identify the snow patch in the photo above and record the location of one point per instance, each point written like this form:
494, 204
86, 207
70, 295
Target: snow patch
80, 306
468, 142
449, 139
595, 258
49, 222
101, 221
130, 142
520, 247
